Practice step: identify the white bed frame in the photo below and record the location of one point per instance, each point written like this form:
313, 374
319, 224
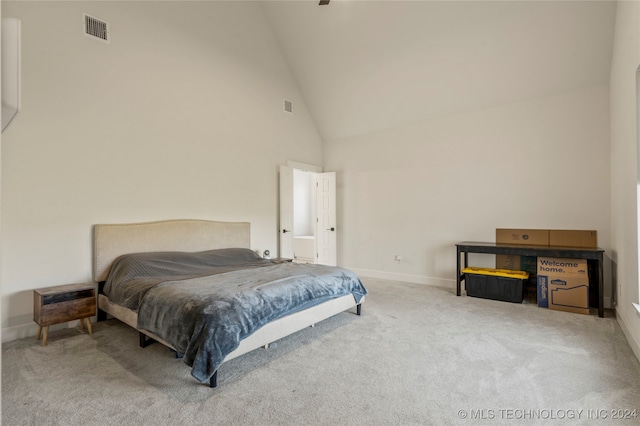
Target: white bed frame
113, 240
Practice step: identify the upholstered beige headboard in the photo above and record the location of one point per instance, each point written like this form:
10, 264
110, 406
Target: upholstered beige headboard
113, 240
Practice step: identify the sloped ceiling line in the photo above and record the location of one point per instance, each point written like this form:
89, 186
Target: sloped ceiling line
368, 66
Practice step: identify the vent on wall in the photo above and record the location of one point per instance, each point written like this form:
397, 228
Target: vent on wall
288, 106
95, 28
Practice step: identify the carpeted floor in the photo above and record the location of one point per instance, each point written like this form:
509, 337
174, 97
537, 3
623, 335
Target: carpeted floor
418, 355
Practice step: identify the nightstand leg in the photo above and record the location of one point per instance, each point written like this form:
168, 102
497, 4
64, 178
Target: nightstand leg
89, 326
81, 323
39, 333
46, 335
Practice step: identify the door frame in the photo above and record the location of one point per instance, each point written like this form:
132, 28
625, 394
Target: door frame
295, 165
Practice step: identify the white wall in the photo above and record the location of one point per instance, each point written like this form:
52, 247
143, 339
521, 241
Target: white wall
417, 190
624, 166
181, 116
10, 69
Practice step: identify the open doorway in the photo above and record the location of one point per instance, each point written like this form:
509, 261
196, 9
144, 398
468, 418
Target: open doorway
307, 215
304, 216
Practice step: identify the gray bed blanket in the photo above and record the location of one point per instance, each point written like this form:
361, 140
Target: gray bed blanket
204, 317
132, 275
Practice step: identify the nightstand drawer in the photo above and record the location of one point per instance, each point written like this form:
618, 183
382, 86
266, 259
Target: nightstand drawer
48, 299
57, 312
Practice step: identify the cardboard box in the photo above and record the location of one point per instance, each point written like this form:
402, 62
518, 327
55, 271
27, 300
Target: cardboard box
529, 237
548, 237
540, 237
536, 237
517, 263
563, 284
571, 238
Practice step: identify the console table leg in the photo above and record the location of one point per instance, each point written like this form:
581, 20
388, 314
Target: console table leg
600, 287
458, 272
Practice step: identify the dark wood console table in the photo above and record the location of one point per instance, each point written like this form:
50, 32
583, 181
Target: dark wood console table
593, 256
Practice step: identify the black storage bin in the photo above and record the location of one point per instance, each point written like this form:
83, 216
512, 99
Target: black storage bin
496, 284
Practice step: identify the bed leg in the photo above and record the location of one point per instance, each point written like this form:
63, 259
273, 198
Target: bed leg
213, 381
102, 315
359, 309
144, 340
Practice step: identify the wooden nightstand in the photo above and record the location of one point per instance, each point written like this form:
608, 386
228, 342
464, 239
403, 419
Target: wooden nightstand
54, 305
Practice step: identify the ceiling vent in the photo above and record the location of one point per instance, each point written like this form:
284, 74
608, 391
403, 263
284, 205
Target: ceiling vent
95, 28
288, 106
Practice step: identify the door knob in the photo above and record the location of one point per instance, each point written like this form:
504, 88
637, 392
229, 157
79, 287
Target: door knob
284, 231
330, 229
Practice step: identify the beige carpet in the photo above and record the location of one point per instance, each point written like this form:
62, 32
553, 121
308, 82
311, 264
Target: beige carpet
418, 355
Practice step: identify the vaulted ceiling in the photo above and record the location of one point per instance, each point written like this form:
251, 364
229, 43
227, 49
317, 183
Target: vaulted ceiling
366, 66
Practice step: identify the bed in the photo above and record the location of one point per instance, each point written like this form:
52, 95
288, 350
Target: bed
196, 287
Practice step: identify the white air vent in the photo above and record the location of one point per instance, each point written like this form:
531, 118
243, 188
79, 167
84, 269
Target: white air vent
288, 106
95, 28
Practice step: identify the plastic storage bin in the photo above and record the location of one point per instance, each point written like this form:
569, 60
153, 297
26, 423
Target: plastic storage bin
496, 284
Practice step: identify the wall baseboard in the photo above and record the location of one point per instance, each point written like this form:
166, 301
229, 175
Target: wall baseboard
631, 339
30, 330
417, 279
19, 332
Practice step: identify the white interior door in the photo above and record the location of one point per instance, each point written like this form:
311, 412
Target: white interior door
286, 212
326, 234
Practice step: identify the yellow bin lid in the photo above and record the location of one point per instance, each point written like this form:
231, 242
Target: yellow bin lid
508, 273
